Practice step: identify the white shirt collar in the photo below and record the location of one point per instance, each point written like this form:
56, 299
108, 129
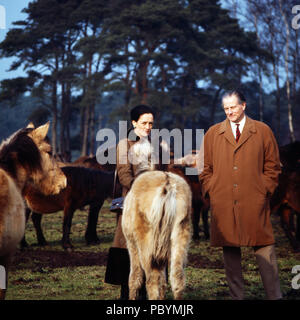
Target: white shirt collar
241, 125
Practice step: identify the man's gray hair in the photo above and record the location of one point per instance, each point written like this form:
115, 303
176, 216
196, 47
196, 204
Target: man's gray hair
236, 93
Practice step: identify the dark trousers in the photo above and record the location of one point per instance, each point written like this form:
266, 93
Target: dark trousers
268, 269
117, 272
118, 266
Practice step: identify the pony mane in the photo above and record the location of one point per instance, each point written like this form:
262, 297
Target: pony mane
19, 149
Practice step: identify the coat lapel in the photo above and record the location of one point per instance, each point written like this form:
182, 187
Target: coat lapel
248, 130
228, 135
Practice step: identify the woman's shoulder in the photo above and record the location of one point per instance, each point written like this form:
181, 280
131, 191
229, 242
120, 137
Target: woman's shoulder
126, 142
123, 141
124, 146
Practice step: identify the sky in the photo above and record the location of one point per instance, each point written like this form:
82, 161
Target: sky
13, 13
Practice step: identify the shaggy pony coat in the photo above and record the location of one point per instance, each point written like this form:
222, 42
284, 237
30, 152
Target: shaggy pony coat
24, 158
157, 226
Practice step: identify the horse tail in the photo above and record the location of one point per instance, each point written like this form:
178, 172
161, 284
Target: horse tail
161, 217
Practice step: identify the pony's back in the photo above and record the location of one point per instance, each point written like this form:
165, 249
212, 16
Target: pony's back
83, 179
156, 224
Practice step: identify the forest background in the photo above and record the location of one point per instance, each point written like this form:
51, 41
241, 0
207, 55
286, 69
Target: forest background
86, 63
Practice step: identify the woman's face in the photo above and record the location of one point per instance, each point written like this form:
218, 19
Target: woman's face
143, 126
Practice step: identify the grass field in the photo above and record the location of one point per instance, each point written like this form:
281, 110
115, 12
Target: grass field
50, 273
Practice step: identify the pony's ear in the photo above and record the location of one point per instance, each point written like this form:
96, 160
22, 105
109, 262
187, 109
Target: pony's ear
39, 134
30, 126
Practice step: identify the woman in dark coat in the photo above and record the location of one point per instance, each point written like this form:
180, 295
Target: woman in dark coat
118, 264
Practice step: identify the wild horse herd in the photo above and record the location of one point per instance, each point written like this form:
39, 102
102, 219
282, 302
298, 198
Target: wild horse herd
28, 171
90, 183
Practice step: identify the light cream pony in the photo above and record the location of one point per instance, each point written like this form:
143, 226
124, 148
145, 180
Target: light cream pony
156, 223
24, 159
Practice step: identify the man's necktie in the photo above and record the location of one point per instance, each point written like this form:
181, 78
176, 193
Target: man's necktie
238, 134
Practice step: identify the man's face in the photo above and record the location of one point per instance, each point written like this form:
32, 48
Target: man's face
234, 110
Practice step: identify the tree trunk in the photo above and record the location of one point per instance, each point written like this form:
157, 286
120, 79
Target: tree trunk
128, 82
286, 62
87, 114
141, 76
67, 154
163, 79
277, 131
54, 118
62, 120
261, 104
145, 82
84, 149
295, 68
82, 115
261, 112
214, 106
92, 131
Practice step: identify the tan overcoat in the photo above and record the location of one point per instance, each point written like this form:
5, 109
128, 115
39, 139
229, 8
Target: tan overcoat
240, 178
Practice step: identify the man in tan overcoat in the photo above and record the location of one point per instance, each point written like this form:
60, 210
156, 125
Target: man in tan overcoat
241, 168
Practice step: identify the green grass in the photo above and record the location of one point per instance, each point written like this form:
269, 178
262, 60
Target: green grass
50, 273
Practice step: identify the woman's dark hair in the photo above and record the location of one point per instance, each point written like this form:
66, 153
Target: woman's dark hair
139, 110
236, 93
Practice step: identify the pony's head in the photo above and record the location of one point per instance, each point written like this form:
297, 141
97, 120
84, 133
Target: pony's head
141, 155
26, 157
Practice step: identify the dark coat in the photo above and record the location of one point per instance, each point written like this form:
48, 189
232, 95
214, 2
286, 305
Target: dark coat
240, 178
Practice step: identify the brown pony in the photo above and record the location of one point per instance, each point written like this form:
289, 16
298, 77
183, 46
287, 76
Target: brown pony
286, 198
91, 162
286, 202
156, 223
85, 186
24, 160
200, 204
